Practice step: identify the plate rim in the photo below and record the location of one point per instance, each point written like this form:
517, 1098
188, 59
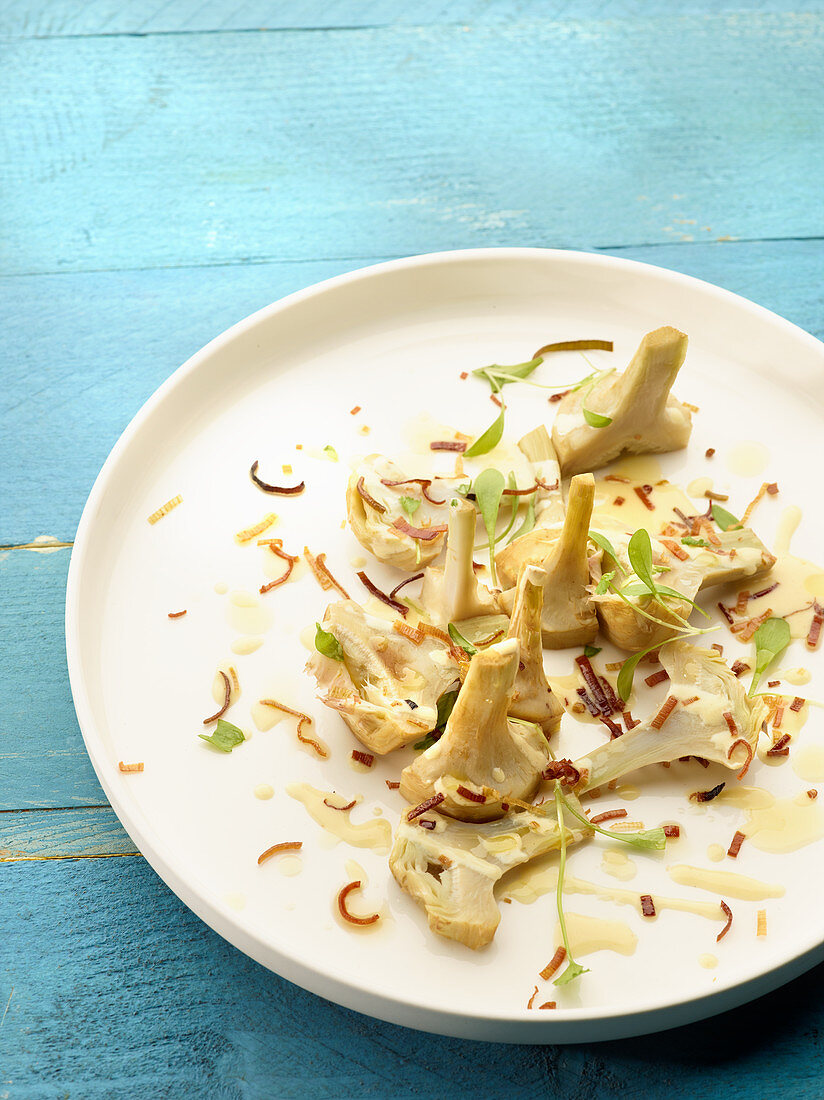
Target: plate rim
604, 1023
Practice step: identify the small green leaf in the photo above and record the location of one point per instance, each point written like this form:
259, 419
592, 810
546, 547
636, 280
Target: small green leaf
225, 737
771, 639
573, 971
328, 644
592, 650
639, 552
330, 452
602, 587
428, 741
489, 440
459, 640
499, 376
627, 673
489, 487
595, 420
463, 490
603, 543
529, 521
446, 701
691, 540
410, 505
725, 520
655, 839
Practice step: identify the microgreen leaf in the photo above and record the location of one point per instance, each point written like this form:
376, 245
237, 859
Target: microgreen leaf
446, 701
602, 587
489, 439
574, 969
592, 650
410, 505
459, 640
594, 419
464, 489
655, 839
225, 736
328, 644
691, 540
499, 376
529, 520
489, 487
330, 452
725, 520
771, 639
627, 673
639, 552
603, 543
428, 741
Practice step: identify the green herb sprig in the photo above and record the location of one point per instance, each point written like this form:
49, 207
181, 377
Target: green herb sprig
224, 737
488, 488
771, 639
446, 703
328, 644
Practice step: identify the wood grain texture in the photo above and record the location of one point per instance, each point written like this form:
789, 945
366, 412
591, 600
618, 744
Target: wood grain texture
120, 992
82, 352
42, 759
87, 833
56, 18
161, 150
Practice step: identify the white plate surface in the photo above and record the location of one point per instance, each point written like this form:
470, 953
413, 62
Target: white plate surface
393, 339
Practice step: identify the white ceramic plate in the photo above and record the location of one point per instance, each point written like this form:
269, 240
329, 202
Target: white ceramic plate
393, 339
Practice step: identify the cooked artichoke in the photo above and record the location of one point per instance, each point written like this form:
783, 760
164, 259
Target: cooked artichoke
454, 593
532, 699
451, 870
386, 688
644, 416
481, 747
568, 616
383, 529
705, 690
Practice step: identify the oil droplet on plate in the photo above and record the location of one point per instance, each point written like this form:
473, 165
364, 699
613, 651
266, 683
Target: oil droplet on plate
221, 588
264, 791
248, 643
716, 852
808, 763
748, 459
709, 962
235, 901
590, 934
290, 865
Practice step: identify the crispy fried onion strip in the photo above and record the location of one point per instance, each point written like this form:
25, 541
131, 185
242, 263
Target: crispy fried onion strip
343, 894
302, 719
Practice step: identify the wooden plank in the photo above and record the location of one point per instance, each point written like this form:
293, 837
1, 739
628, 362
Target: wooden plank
53, 18
147, 151
82, 352
112, 988
42, 759
82, 833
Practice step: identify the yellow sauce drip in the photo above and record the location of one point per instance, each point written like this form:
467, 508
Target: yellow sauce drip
808, 763
747, 798
221, 588
787, 825
537, 878
247, 615
264, 791
699, 486
618, 865
266, 717
246, 644
590, 934
709, 962
716, 852
629, 794
726, 883
787, 527
747, 459
633, 513
375, 834
794, 676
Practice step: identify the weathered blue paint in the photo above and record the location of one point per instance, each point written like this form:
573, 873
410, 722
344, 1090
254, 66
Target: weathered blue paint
168, 169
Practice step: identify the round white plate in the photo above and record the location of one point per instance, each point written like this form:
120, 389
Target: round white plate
394, 339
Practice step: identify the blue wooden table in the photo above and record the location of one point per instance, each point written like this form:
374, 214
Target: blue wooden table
167, 169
